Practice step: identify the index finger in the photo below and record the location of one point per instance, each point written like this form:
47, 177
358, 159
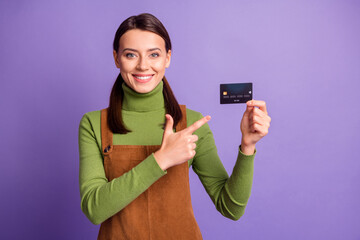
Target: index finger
196, 125
257, 103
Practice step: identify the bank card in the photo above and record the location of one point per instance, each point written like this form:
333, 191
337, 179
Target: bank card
235, 93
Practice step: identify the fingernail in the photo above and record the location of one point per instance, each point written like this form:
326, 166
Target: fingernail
208, 118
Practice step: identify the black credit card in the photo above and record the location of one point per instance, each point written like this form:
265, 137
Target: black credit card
235, 93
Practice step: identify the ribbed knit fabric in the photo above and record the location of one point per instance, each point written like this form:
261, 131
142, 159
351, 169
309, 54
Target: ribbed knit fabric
144, 115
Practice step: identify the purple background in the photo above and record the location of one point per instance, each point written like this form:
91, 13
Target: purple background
302, 56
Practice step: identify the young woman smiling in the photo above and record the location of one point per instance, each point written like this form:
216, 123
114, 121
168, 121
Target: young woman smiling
142, 59
135, 155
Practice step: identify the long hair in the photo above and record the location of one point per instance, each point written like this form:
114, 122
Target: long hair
150, 23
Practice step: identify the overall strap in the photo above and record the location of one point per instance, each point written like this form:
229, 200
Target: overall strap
182, 124
106, 134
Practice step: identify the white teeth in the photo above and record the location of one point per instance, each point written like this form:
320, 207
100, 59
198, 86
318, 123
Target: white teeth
143, 78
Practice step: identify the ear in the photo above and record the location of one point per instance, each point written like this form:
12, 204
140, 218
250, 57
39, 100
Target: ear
168, 58
116, 59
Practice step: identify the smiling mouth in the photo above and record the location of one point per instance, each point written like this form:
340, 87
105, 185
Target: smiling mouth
143, 78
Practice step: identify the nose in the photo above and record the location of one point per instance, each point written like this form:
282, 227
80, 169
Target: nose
143, 64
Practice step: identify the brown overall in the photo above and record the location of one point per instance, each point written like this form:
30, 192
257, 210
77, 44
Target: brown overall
164, 210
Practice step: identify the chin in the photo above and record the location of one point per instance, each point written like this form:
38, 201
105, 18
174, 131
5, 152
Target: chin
143, 89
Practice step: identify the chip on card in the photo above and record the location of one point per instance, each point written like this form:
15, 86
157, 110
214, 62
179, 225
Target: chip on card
235, 93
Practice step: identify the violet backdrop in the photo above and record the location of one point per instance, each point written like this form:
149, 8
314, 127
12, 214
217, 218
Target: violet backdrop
303, 58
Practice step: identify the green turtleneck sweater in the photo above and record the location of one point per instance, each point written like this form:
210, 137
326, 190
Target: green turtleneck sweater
144, 115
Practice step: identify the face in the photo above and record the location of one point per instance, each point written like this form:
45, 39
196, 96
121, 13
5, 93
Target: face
142, 59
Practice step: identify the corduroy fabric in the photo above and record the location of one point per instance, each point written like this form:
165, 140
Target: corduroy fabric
164, 210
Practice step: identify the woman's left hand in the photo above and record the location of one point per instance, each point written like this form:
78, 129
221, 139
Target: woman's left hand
254, 125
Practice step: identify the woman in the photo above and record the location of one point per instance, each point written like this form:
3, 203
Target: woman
134, 165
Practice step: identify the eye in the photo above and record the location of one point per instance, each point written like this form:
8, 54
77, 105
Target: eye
154, 55
130, 55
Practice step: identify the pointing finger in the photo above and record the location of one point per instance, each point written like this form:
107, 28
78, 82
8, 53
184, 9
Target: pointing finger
196, 125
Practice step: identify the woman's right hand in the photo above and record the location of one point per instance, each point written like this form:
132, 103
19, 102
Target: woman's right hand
178, 147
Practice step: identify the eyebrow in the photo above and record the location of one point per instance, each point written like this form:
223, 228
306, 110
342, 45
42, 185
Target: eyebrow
134, 50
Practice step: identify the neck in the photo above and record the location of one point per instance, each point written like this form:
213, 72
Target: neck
143, 102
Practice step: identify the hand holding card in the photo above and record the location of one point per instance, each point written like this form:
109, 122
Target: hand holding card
255, 122
254, 125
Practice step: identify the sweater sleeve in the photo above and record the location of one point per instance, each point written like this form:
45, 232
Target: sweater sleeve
101, 199
229, 194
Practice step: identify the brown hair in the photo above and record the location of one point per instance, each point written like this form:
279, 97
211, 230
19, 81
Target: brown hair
150, 23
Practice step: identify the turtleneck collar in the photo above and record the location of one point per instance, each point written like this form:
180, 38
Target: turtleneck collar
143, 102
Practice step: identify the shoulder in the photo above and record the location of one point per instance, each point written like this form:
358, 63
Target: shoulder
91, 116
192, 116
91, 119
